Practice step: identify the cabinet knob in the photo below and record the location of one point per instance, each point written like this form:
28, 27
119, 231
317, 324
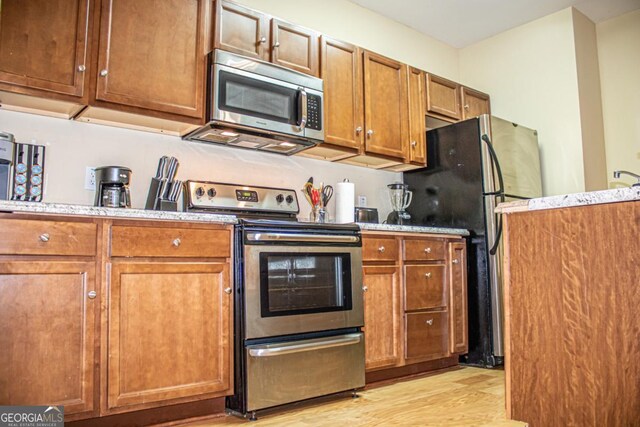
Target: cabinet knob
263, 40
227, 290
413, 143
456, 261
369, 133
381, 249
429, 322
176, 242
276, 44
358, 130
427, 275
466, 107
92, 294
427, 250
365, 288
45, 237
81, 68
104, 73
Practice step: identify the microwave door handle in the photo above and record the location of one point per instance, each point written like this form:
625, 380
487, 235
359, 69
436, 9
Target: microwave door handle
302, 108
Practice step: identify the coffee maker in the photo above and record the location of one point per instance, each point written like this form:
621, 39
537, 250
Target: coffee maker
400, 201
6, 165
112, 187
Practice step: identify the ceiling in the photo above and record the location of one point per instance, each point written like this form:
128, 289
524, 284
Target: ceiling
460, 23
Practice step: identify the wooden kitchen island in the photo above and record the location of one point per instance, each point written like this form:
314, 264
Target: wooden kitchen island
572, 307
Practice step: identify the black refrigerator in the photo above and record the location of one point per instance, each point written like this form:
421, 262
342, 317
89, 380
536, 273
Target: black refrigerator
471, 167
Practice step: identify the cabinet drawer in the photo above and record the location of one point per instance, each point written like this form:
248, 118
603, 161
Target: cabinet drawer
379, 249
425, 287
36, 237
427, 335
423, 250
127, 241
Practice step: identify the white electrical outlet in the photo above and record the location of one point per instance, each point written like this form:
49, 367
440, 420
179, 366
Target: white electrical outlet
362, 201
90, 179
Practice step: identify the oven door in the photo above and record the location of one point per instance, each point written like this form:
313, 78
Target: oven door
299, 288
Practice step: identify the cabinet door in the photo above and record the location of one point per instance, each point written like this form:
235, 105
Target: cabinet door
385, 107
425, 287
382, 317
474, 103
342, 76
151, 55
417, 119
43, 44
458, 299
169, 332
48, 334
443, 97
427, 335
241, 30
295, 47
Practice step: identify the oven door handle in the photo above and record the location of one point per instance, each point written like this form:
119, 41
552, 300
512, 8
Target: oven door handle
293, 237
267, 351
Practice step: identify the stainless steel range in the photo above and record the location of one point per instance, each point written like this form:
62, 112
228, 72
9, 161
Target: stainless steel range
298, 299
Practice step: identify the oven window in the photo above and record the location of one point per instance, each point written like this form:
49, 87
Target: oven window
299, 283
253, 97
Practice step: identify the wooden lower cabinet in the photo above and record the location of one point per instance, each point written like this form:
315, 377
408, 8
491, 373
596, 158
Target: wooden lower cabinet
458, 332
169, 331
427, 335
47, 344
383, 317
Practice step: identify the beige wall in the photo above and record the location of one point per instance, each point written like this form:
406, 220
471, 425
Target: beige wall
591, 123
530, 72
352, 23
619, 53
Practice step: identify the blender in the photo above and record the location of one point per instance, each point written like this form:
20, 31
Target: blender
400, 200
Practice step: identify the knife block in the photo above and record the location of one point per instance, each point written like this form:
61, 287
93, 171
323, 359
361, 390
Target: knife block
154, 198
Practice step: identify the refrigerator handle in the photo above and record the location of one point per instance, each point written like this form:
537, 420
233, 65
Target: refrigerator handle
499, 192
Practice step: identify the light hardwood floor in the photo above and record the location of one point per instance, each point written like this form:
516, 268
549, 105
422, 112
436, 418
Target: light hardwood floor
463, 397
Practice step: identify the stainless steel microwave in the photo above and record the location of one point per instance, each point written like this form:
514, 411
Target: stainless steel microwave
258, 105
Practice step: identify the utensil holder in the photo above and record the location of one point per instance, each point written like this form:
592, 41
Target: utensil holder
155, 200
319, 215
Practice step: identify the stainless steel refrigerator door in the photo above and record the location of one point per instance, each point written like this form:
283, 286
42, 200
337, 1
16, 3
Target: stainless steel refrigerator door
519, 156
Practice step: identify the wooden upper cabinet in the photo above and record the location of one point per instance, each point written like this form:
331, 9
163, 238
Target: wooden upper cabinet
48, 334
458, 298
241, 30
474, 103
295, 47
43, 45
385, 107
443, 97
169, 333
417, 119
382, 317
152, 55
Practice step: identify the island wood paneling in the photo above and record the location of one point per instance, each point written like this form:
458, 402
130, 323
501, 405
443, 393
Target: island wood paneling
572, 293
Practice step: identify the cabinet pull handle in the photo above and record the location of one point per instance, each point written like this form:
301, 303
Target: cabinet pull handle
427, 250
466, 107
381, 249
104, 73
370, 133
92, 294
276, 44
358, 130
413, 143
263, 40
365, 288
176, 242
427, 275
429, 322
45, 237
227, 291
456, 261
81, 68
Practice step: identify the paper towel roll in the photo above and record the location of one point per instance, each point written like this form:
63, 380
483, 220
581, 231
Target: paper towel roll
345, 201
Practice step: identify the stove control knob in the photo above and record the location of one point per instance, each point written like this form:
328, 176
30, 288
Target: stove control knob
212, 192
279, 198
289, 199
199, 191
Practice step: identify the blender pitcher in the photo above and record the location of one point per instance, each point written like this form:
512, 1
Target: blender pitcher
401, 197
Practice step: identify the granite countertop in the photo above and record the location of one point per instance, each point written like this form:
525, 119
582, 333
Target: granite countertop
83, 210
570, 200
412, 229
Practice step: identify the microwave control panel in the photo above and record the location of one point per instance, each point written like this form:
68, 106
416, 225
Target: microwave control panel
314, 112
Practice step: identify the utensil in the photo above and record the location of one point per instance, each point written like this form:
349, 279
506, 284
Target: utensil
327, 193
